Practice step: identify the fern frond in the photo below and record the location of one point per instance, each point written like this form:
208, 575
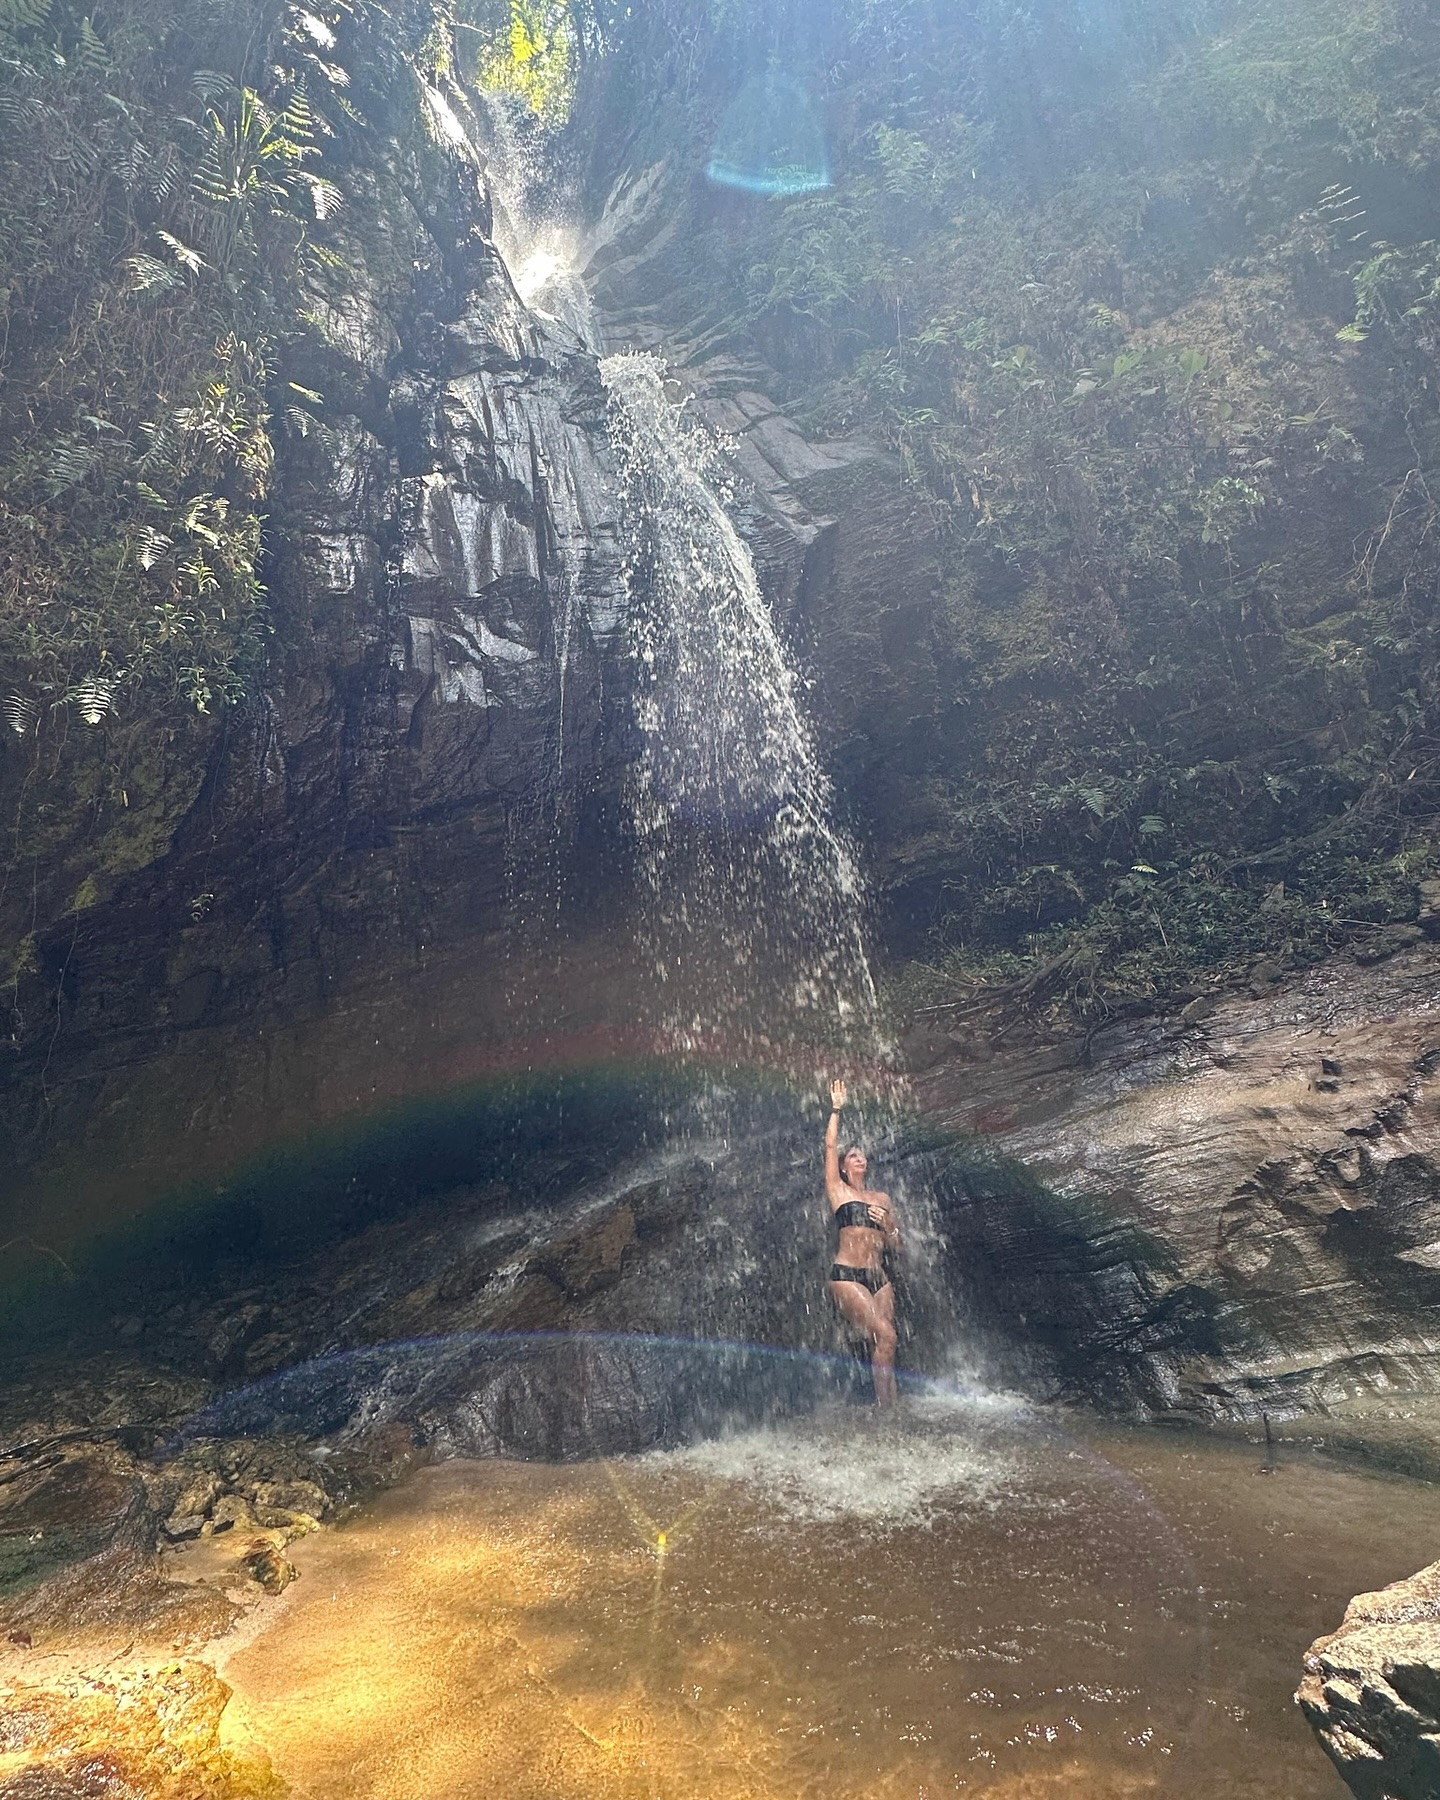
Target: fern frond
93, 698
75, 153
130, 165
160, 457
208, 180
22, 113
91, 54
148, 275
325, 197
211, 84
167, 174
183, 254
150, 546
70, 462
19, 712
297, 121
23, 15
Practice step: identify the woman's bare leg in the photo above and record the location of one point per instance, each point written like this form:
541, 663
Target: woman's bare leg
874, 1314
884, 1341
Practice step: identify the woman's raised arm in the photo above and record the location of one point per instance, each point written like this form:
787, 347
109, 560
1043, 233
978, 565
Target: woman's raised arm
834, 1184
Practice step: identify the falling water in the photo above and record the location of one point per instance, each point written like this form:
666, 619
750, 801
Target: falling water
756, 905
752, 908
540, 248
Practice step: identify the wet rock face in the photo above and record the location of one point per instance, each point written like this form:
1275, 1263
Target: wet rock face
445, 582
1279, 1156
1371, 1691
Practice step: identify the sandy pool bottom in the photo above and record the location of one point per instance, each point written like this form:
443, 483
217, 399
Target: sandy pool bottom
959, 1600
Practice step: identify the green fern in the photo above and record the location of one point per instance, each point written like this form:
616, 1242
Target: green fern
23, 15
148, 275
91, 54
71, 462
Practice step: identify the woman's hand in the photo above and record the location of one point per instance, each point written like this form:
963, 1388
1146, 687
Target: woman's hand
838, 1096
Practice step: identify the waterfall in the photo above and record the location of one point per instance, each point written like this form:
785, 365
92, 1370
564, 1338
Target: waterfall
754, 903
752, 912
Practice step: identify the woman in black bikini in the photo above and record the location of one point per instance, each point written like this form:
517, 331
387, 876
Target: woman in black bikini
866, 1229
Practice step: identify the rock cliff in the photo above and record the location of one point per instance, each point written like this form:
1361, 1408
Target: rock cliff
446, 592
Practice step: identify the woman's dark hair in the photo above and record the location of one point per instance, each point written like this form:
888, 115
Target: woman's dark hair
849, 1150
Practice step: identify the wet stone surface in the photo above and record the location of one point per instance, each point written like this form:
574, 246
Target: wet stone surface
1371, 1691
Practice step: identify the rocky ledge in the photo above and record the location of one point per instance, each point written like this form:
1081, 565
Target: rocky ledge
1372, 1691
1279, 1151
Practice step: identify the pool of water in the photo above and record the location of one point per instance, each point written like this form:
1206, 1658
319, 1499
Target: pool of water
966, 1597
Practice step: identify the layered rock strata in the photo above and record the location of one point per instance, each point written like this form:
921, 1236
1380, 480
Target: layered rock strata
1278, 1153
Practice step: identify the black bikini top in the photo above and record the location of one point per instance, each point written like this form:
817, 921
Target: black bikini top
854, 1212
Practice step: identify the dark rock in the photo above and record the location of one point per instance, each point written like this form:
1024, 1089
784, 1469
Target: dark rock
1305, 1213
443, 560
228, 1342
263, 1563
472, 1270
191, 998
1264, 976
534, 1303
1387, 943
264, 1354
188, 1515
922, 1046
58, 1510
123, 1588
593, 1258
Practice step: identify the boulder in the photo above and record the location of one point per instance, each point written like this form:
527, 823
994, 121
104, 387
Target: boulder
1371, 1691
121, 1733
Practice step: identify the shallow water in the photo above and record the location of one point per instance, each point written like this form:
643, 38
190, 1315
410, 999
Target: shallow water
963, 1599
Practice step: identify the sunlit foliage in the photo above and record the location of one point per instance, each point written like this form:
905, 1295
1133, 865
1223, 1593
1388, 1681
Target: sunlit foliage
528, 48
159, 213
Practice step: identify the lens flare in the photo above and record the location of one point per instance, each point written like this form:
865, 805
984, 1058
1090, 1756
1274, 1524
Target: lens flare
771, 140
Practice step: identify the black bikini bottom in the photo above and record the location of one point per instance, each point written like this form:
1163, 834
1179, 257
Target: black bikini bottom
874, 1279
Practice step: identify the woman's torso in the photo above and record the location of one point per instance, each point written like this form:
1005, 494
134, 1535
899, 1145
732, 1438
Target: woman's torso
860, 1246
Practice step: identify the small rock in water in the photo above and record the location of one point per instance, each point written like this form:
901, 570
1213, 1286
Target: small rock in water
22, 1638
274, 1571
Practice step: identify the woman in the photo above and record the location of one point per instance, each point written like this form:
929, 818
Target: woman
866, 1229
